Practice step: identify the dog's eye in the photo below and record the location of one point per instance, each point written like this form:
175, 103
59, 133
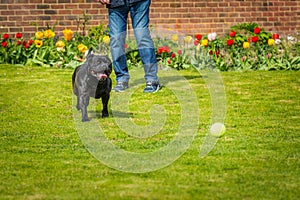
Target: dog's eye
93, 72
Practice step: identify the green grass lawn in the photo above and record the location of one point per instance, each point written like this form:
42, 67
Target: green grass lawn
43, 157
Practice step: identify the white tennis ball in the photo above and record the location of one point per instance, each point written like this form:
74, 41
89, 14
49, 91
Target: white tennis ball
217, 129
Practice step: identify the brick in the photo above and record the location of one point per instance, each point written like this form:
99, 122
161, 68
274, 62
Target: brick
44, 18
4, 29
16, 30
64, 12
223, 4
21, 1
199, 4
50, 12
35, 1
93, 12
188, 5
234, 4
36, 12
3, 7
212, 4
78, 12
273, 19
71, 18
175, 5
57, 7
14, 18
84, 6
50, 1
43, 6
267, 14
7, 13
29, 29
290, 3
29, 18
284, 8
64, 23
240, 9
71, 6
65, 1
3, 18
7, 1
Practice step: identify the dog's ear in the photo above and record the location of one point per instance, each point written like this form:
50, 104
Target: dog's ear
89, 52
109, 69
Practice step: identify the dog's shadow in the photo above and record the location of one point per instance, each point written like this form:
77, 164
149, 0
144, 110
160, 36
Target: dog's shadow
115, 114
120, 114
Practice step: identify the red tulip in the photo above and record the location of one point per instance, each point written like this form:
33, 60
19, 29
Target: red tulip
19, 35
163, 49
4, 44
230, 42
198, 37
196, 42
232, 33
5, 36
275, 36
254, 39
26, 46
256, 30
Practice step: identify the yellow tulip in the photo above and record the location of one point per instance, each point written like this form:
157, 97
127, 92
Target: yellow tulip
49, 33
68, 34
60, 44
188, 39
39, 35
82, 48
204, 42
246, 45
38, 43
271, 42
106, 39
174, 38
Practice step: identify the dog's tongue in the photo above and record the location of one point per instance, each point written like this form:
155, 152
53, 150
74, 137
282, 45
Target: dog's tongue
101, 75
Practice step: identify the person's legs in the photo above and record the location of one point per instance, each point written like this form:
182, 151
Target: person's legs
118, 27
139, 13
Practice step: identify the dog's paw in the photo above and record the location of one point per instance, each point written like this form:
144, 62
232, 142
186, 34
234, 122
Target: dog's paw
104, 115
85, 120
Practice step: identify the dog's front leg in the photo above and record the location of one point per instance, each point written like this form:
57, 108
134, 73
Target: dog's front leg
83, 103
105, 100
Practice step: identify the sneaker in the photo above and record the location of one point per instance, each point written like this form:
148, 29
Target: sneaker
152, 87
121, 86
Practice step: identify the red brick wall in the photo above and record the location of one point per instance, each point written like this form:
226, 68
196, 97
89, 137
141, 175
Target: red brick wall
188, 16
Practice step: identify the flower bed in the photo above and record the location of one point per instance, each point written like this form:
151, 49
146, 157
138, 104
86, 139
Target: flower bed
246, 47
46, 48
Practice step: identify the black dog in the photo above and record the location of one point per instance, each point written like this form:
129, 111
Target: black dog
91, 79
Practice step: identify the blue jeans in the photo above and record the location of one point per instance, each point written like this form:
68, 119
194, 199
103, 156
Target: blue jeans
139, 13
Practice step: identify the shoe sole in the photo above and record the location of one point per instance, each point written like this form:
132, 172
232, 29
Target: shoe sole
119, 90
157, 89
